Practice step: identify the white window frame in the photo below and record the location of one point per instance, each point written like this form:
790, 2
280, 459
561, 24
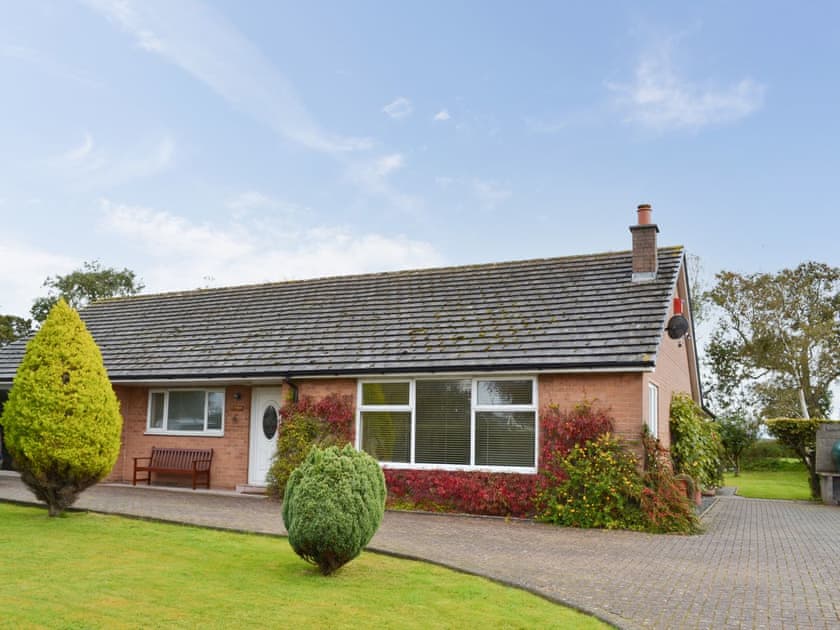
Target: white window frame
653, 409
411, 407
150, 430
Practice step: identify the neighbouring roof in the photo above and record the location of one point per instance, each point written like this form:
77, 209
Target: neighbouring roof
580, 312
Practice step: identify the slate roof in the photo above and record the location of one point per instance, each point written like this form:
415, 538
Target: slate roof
576, 312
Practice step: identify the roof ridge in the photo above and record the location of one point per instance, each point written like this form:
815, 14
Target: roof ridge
377, 274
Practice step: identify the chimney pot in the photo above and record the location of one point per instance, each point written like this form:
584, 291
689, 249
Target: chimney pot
645, 212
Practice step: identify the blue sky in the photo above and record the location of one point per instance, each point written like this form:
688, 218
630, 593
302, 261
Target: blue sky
217, 143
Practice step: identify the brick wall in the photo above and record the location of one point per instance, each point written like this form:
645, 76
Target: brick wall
623, 394
620, 393
672, 375
230, 452
644, 248
319, 388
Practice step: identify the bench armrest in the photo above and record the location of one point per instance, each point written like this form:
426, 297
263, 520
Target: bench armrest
139, 458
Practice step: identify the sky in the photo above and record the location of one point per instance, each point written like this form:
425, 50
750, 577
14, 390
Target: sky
218, 143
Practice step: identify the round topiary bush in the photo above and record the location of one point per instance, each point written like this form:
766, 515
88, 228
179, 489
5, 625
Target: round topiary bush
62, 421
333, 505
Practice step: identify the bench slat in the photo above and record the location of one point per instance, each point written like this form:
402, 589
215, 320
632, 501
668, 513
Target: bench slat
195, 462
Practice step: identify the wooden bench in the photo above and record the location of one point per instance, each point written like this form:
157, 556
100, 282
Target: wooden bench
193, 461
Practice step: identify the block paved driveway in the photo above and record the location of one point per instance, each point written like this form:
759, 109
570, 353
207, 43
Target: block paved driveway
760, 564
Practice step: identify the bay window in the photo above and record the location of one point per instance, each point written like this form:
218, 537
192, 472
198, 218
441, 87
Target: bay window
455, 423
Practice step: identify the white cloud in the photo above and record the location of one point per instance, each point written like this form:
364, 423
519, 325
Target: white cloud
442, 115
659, 98
201, 42
545, 126
46, 64
490, 193
400, 107
82, 151
371, 175
89, 166
389, 163
251, 200
372, 178
168, 235
31, 267
241, 252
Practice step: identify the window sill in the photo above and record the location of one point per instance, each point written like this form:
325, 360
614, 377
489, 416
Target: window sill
521, 470
209, 434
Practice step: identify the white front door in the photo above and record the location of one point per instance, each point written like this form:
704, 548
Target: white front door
265, 421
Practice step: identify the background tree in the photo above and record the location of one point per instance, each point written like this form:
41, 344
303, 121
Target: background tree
13, 328
62, 420
90, 283
800, 435
776, 341
698, 285
737, 433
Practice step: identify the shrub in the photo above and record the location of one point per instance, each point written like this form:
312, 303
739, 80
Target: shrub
563, 430
325, 422
560, 432
696, 448
501, 494
597, 482
800, 435
333, 505
498, 494
601, 487
62, 421
665, 508
756, 456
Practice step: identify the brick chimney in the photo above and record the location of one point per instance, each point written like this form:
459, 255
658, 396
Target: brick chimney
644, 233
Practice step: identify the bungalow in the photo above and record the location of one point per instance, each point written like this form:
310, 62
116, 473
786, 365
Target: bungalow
447, 368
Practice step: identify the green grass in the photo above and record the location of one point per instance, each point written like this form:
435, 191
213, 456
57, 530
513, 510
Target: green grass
94, 571
789, 483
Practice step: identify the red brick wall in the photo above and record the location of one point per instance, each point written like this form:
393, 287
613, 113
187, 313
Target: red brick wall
618, 392
672, 375
624, 394
230, 452
320, 388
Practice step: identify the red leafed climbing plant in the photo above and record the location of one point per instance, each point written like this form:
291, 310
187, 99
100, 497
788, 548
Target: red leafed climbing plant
501, 494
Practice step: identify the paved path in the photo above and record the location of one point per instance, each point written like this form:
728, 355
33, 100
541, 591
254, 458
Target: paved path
760, 564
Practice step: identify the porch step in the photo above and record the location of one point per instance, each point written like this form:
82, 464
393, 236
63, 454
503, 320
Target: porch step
249, 489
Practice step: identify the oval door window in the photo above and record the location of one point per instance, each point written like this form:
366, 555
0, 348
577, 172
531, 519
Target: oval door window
270, 422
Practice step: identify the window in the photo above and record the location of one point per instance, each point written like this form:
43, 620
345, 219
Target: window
653, 410
450, 423
186, 411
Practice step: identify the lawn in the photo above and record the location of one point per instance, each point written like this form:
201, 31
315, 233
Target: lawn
789, 483
95, 571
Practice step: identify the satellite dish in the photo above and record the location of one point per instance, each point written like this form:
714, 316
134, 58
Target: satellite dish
677, 327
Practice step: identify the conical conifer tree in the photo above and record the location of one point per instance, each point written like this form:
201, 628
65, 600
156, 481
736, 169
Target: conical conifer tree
62, 421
